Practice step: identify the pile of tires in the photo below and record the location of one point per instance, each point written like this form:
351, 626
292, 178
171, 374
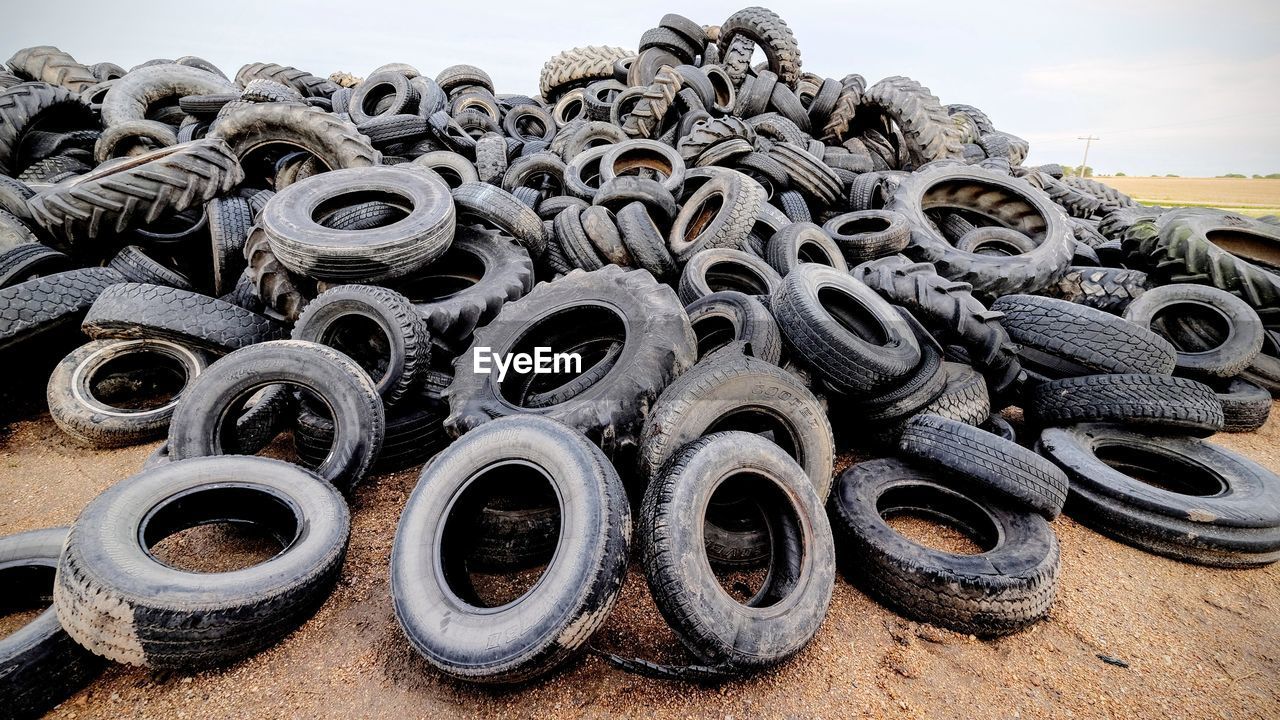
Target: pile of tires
755, 267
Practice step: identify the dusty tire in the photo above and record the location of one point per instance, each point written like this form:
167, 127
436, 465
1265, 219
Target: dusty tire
1236, 331
43, 305
1107, 289
121, 602
335, 143
1245, 406
141, 311
725, 269
579, 586
803, 242
722, 318
1159, 402
1011, 585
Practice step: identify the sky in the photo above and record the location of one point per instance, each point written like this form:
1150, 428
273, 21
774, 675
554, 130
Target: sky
1189, 88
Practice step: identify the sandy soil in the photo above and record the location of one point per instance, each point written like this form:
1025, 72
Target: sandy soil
1197, 642
1256, 195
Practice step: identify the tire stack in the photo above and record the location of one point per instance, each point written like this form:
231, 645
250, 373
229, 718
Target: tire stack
756, 268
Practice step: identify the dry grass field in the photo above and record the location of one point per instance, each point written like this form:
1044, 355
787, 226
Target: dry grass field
1248, 196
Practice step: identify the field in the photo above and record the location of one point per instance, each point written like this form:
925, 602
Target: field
1247, 196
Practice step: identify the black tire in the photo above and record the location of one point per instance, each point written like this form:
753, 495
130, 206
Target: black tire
720, 213
30, 261
1157, 402
40, 665
731, 391
1011, 585
854, 339
1107, 289
645, 242
337, 144
43, 305
1183, 498
925, 385
579, 587
136, 266
230, 219
1006, 200
1245, 406
721, 269
121, 602
466, 287
32, 105
1236, 330
307, 247
1061, 339
727, 317
414, 433
117, 196
950, 312
78, 384
281, 293
141, 311
628, 305
803, 242
713, 625
493, 206
304, 82
927, 131
760, 27
807, 173
198, 425
993, 464
376, 327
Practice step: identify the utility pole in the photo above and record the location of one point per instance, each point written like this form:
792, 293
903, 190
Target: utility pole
1087, 142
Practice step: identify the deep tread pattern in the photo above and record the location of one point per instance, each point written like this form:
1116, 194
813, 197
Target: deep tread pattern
841, 118
930, 132
1153, 401
112, 200
948, 309
142, 311
1110, 198
995, 464
647, 115
46, 63
20, 106
1245, 406
1091, 338
579, 66
136, 266
508, 276
280, 291
1107, 289
764, 28
305, 83
44, 303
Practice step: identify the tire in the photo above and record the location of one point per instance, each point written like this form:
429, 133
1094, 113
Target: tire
141, 89
282, 294
155, 312
659, 345
493, 206
713, 625
731, 391
964, 398
720, 214
376, 327
994, 465
337, 144
74, 396
807, 173
1158, 402
195, 430
397, 96
1006, 200
414, 433
230, 221
763, 28
726, 317
48, 64
36, 307
1061, 339
1107, 289
1180, 251
1221, 510
40, 665
119, 601
1245, 406
859, 346
928, 130
305, 83
644, 242
33, 105
30, 261
1232, 348
1265, 370
133, 263
803, 242
925, 385
115, 197
1011, 585
950, 312
466, 287
721, 269
868, 234
524, 640
305, 246
455, 169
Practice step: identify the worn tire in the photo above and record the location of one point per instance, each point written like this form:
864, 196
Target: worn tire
726, 317
141, 311
45, 304
1158, 402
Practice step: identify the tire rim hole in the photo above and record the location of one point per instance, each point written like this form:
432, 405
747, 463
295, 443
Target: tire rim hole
703, 216
754, 507
999, 204
28, 591
939, 520
1247, 245
457, 271
362, 339
713, 332
643, 162
850, 314
394, 208
1192, 327
561, 332
138, 381
500, 536
862, 226
219, 529
734, 275
811, 252
763, 423
376, 95
1163, 471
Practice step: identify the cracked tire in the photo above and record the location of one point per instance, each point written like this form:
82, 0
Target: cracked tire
156, 312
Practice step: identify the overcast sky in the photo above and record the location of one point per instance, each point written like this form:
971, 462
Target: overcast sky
1169, 86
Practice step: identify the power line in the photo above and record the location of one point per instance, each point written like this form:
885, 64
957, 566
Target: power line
1087, 142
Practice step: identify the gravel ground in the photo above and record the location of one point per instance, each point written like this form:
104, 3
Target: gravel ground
1198, 642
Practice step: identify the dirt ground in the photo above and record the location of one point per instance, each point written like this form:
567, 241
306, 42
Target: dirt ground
1249, 196
1195, 642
